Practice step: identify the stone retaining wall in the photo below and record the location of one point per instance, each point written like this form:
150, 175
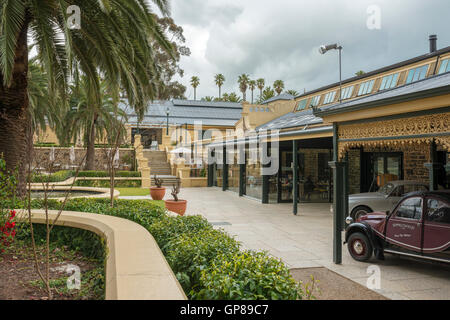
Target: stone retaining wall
62, 158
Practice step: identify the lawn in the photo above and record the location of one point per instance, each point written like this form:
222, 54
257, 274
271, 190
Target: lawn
134, 191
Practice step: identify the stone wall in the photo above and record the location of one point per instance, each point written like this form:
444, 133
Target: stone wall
354, 171
311, 164
62, 158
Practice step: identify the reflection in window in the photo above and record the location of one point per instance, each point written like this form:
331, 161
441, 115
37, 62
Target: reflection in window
329, 97
347, 92
389, 82
417, 74
438, 211
445, 66
302, 105
366, 87
411, 208
315, 101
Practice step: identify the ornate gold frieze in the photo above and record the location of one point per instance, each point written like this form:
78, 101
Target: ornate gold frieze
428, 124
433, 123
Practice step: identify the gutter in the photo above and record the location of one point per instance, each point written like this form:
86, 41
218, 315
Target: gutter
282, 134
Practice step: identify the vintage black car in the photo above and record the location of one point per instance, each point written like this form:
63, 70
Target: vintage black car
418, 226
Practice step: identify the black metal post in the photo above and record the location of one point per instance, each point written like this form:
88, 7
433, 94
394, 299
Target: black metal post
295, 175
225, 170
338, 198
433, 167
167, 128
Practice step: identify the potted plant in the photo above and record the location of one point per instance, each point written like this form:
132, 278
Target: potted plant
158, 192
176, 205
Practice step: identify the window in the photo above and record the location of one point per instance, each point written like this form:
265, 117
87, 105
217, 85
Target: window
445, 66
438, 211
417, 74
315, 101
347, 92
389, 82
366, 87
411, 208
301, 105
329, 97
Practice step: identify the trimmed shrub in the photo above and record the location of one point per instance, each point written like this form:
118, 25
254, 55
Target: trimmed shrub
107, 184
207, 262
189, 254
247, 275
58, 176
169, 228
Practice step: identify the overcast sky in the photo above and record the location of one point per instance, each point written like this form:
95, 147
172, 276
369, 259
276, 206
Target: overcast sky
280, 39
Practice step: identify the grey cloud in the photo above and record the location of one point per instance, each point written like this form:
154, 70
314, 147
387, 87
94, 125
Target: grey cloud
279, 40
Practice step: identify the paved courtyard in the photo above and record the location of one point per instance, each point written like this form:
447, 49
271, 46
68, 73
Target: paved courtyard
305, 241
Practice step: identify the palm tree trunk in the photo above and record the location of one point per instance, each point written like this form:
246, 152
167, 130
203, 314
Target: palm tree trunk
90, 155
220, 93
14, 118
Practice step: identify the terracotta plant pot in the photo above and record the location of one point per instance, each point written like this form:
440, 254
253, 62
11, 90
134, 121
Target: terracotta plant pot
176, 206
157, 193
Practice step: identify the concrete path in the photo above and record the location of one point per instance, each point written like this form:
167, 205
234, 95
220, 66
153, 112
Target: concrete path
306, 241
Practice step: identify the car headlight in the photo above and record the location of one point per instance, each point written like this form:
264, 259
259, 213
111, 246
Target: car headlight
349, 220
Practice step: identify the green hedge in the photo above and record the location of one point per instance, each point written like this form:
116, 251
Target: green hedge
104, 174
207, 262
106, 183
58, 176
63, 175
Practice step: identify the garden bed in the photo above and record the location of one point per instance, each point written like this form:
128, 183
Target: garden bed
208, 263
20, 280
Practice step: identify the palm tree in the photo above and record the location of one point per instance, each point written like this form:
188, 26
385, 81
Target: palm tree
92, 118
243, 84
44, 109
260, 83
195, 82
219, 79
266, 95
292, 92
114, 40
252, 86
231, 97
278, 85
208, 98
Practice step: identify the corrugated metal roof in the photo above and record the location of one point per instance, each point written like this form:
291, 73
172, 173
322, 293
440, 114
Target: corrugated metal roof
189, 112
283, 96
432, 83
292, 120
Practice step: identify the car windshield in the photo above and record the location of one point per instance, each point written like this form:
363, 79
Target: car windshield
387, 189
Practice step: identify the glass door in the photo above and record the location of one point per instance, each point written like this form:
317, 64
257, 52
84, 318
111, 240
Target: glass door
384, 167
286, 177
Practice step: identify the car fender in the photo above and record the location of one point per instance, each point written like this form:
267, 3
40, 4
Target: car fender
364, 228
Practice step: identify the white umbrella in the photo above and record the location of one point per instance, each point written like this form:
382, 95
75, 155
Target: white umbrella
116, 158
52, 154
72, 155
181, 150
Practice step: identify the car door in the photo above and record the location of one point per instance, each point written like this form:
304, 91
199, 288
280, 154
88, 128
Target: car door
436, 225
404, 227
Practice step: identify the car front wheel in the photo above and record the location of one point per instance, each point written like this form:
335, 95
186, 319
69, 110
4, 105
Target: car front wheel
359, 246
